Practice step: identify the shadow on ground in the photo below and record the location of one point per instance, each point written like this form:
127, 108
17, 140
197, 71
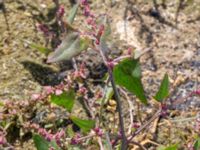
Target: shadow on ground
42, 74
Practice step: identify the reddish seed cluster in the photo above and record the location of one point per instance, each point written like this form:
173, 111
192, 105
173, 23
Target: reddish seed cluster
61, 12
98, 131
75, 139
47, 135
130, 51
135, 125
84, 2
86, 6
2, 138
82, 90
164, 111
197, 92
57, 90
91, 22
43, 28
80, 73
110, 64
101, 30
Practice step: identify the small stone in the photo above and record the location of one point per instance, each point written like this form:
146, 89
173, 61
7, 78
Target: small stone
112, 102
111, 109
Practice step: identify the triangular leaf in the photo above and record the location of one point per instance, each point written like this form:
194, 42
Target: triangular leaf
128, 74
40, 142
71, 46
85, 125
163, 91
66, 99
72, 14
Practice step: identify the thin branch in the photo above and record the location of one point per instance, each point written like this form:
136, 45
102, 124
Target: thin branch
139, 145
157, 114
108, 140
130, 110
100, 143
117, 98
180, 5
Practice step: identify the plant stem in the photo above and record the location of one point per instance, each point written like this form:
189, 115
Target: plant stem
119, 109
119, 104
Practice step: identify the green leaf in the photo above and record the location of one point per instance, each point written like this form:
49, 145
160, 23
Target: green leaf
163, 91
70, 47
66, 99
197, 144
38, 47
171, 147
128, 74
72, 14
40, 142
85, 125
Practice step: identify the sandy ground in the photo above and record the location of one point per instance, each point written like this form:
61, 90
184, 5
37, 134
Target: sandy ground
175, 48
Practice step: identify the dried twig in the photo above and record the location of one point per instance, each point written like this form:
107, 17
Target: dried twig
157, 114
130, 110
